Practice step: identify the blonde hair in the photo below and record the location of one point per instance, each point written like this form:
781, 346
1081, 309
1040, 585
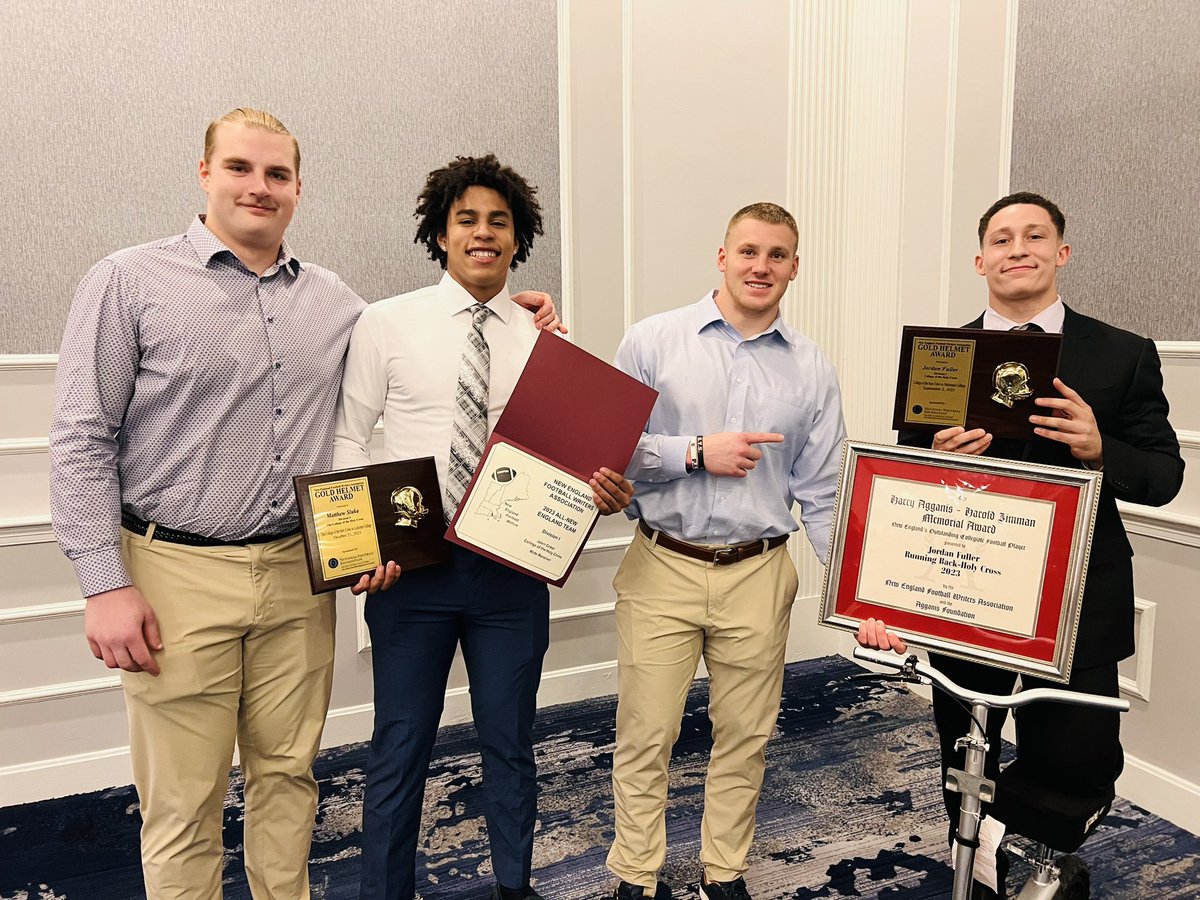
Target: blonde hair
771, 213
251, 118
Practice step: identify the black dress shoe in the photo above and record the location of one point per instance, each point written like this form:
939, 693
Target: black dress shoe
526, 893
627, 891
724, 890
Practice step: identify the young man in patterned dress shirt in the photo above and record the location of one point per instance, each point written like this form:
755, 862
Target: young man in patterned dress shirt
197, 375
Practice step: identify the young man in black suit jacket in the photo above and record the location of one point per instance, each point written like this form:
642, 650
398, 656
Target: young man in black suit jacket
1111, 415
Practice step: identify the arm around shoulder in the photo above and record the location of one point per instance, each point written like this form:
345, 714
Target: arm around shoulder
363, 396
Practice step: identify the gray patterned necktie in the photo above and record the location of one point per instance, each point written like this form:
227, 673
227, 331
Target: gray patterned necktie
469, 432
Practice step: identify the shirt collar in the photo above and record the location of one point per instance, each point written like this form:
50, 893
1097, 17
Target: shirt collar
209, 245
455, 298
708, 313
1050, 319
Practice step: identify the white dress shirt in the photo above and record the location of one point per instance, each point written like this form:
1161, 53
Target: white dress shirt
403, 363
1050, 319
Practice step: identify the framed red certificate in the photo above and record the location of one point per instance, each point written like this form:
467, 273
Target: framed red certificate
976, 557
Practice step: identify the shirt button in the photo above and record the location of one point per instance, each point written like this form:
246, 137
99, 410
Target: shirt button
274, 503
270, 319
278, 457
733, 418
278, 412
740, 380
277, 365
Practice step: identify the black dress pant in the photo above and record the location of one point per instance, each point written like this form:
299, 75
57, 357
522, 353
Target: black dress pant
1074, 749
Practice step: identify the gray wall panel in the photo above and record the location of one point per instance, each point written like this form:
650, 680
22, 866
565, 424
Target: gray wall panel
1106, 115
105, 106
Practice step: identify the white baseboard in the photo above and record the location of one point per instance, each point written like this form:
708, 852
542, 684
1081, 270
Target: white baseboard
64, 776
1162, 793
100, 769
1147, 785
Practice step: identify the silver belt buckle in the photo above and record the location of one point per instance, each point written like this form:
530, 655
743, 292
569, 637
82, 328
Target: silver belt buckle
725, 556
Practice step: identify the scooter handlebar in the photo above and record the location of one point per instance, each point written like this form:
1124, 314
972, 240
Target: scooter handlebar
929, 675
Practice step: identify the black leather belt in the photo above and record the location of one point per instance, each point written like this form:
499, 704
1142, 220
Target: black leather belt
174, 536
718, 556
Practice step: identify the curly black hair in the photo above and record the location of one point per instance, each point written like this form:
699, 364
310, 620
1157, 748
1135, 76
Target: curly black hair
445, 185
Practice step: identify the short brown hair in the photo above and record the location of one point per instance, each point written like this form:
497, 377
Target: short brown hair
771, 213
251, 118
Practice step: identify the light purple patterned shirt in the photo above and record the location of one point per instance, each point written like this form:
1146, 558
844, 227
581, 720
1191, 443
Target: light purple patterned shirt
190, 390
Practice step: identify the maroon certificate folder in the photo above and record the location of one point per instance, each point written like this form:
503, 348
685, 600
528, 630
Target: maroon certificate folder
529, 505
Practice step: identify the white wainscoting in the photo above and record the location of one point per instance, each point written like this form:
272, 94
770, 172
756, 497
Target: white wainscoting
885, 189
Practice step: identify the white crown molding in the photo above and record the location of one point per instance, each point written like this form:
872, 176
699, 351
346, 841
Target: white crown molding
1143, 619
556, 615
60, 690
595, 545
583, 612
1161, 524
1178, 349
43, 779
613, 543
1188, 440
25, 530
100, 769
41, 612
24, 446
41, 362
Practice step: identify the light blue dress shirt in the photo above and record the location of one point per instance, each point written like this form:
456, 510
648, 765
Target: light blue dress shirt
710, 379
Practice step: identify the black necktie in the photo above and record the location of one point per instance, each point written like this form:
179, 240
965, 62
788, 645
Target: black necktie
1028, 326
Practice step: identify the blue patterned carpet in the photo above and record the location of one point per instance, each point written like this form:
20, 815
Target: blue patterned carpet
851, 808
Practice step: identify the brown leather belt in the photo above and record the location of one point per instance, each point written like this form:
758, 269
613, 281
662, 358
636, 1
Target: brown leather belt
174, 536
718, 556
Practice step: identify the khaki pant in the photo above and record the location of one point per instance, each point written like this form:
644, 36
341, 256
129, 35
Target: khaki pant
672, 609
247, 656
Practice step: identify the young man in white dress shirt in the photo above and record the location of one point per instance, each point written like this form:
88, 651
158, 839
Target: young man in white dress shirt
478, 218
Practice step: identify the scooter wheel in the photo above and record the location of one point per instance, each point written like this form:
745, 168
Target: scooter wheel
1074, 879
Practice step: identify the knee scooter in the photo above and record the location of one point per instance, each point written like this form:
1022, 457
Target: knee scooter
1049, 818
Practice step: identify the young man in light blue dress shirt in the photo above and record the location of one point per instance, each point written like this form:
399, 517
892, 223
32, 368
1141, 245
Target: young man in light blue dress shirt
748, 422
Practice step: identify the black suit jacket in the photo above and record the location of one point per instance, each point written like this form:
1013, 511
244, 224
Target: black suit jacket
1119, 376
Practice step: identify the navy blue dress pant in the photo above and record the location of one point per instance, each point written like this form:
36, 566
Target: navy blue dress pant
501, 619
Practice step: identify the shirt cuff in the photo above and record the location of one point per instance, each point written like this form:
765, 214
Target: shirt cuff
673, 455
100, 571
